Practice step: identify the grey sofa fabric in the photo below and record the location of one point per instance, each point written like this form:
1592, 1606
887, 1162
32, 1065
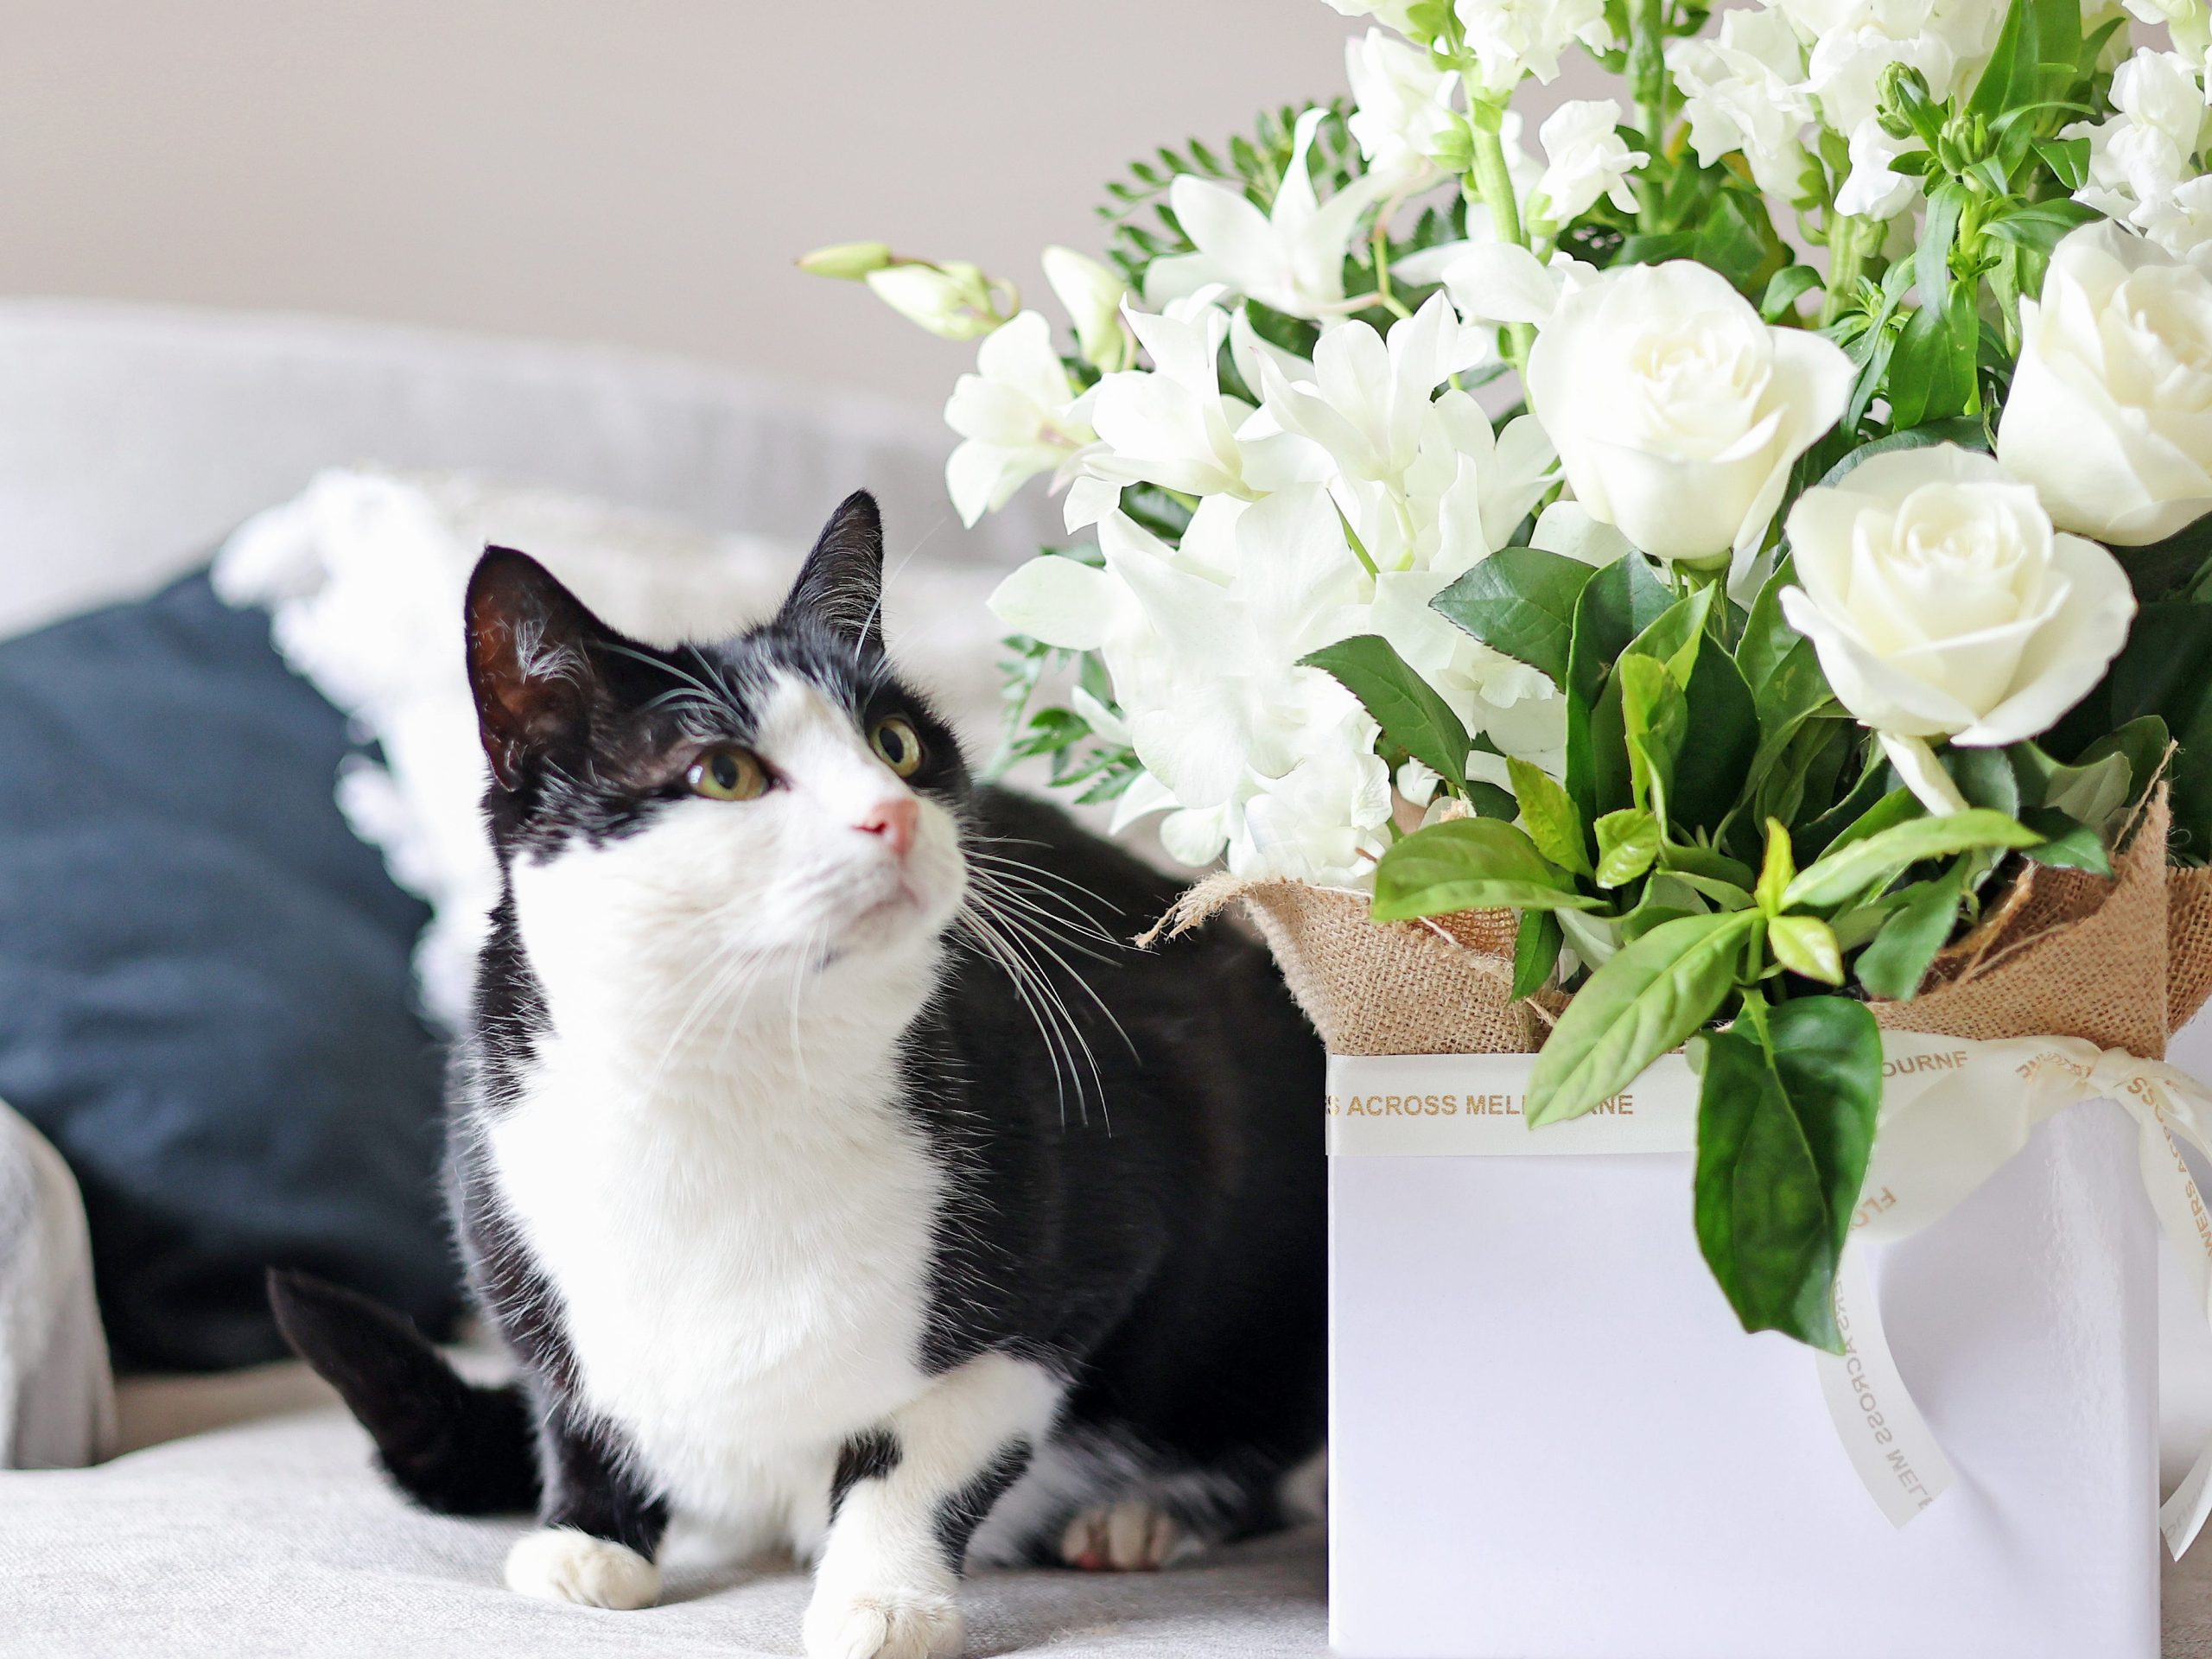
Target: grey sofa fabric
57, 1405
273, 1538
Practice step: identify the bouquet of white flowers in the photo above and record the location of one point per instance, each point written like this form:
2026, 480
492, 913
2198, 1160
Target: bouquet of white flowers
1825, 564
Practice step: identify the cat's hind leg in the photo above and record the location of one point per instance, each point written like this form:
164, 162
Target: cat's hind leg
908, 1496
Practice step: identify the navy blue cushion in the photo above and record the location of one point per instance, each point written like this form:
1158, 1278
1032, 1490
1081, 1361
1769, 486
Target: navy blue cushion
205, 995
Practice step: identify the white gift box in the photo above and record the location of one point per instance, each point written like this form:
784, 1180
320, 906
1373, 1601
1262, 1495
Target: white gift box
1550, 1440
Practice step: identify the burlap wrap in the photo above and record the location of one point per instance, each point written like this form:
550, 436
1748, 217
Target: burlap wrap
2121, 962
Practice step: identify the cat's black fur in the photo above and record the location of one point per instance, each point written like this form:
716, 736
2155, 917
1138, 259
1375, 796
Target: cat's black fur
1152, 1235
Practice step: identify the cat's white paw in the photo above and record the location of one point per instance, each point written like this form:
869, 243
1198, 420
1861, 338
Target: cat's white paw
560, 1564
898, 1624
1131, 1536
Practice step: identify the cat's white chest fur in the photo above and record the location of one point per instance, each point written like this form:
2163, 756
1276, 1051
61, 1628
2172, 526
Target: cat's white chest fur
742, 1263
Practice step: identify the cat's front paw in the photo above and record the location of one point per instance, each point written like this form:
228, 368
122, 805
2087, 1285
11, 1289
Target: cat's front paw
887, 1624
560, 1564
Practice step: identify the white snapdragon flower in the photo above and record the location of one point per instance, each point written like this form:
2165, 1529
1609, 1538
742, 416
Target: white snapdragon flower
1744, 91
1513, 38
1324, 820
1015, 415
1587, 158
2140, 155
1874, 189
1290, 259
2186, 21
1405, 107
1391, 13
1844, 72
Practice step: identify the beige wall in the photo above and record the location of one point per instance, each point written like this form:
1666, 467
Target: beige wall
640, 171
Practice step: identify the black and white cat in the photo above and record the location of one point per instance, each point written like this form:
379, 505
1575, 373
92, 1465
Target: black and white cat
818, 1186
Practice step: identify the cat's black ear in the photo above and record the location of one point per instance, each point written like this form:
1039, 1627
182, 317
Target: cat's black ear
530, 661
841, 584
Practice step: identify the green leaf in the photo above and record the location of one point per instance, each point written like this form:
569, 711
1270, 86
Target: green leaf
2088, 793
1704, 862
1617, 603
2173, 566
2066, 844
1807, 945
1985, 778
1846, 870
1521, 600
1647, 1000
1654, 719
1893, 965
1549, 813
2041, 226
1778, 871
1786, 1114
2141, 742
1788, 285
1938, 231
2068, 159
1535, 952
2036, 55
1412, 716
1628, 844
1469, 864
1964, 430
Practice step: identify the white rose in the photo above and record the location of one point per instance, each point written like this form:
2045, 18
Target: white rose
1944, 603
2110, 414
1677, 413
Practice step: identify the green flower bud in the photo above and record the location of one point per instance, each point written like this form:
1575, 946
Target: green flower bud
848, 262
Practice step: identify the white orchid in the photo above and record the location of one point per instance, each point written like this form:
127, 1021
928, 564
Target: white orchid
1586, 159
1015, 415
1290, 259
1092, 295
1513, 38
1405, 109
953, 300
1172, 425
1745, 92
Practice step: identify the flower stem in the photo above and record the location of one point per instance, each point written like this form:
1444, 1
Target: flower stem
1647, 80
1490, 181
1849, 242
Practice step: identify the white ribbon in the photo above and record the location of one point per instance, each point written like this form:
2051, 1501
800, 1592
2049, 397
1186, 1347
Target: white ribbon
1953, 1113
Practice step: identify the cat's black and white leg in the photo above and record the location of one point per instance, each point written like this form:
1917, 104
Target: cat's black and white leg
908, 1496
598, 1528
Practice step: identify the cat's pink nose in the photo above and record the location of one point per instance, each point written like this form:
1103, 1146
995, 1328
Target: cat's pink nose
893, 819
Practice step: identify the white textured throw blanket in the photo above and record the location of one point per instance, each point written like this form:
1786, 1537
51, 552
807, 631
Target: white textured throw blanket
57, 1401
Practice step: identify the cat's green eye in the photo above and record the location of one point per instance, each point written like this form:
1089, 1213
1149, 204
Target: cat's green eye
897, 744
728, 774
